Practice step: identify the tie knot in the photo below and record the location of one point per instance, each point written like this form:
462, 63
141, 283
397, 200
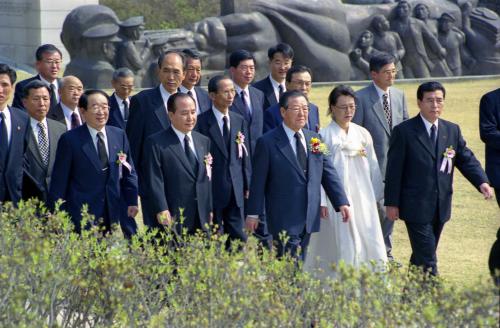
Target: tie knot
2, 115
190, 93
385, 96
52, 86
100, 135
224, 118
41, 125
187, 139
433, 127
298, 136
125, 103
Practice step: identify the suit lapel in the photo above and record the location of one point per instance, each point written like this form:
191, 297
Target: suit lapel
113, 149
33, 147
160, 110
378, 108
178, 149
52, 145
423, 136
238, 105
200, 153
271, 97
285, 148
17, 137
216, 134
442, 139
89, 148
116, 112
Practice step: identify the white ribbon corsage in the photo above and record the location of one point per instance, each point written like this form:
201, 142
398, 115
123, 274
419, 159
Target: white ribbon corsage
122, 161
240, 141
448, 155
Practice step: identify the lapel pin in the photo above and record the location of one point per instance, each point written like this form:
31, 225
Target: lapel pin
18, 128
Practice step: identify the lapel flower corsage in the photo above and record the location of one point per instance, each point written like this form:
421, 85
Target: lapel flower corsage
240, 141
208, 160
448, 155
122, 161
362, 152
318, 147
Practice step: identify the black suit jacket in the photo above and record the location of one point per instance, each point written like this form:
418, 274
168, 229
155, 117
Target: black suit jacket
413, 180
17, 101
489, 128
36, 179
171, 183
115, 116
57, 114
13, 172
203, 99
266, 87
256, 125
231, 174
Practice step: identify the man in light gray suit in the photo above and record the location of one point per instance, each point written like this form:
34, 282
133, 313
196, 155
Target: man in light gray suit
41, 140
379, 108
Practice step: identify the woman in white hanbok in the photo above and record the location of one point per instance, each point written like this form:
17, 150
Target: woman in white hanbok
358, 241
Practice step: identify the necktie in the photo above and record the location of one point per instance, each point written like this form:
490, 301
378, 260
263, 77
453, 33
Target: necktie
387, 110
53, 96
247, 115
4, 141
281, 90
433, 135
225, 131
75, 121
190, 93
126, 111
43, 144
190, 155
101, 151
301, 152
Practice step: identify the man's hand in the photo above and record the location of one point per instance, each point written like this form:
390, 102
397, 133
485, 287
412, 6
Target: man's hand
164, 218
251, 224
132, 211
211, 217
392, 212
346, 213
486, 190
323, 212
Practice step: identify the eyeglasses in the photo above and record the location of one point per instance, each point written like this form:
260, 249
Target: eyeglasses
99, 107
52, 62
297, 109
439, 101
347, 108
390, 72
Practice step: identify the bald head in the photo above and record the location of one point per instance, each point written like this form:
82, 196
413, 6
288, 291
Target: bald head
70, 90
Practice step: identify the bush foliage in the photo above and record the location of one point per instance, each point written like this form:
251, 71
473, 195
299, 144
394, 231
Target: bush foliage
52, 277
164, 14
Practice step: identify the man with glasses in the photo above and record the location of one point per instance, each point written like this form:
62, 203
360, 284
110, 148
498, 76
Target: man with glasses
93, 166
379, 108
48, 64
119, 102
298, 78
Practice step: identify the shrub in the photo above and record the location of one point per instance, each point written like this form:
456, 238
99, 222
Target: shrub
50, 276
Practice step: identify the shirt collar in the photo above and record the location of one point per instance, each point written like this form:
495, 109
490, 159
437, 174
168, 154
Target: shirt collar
218, 114
183, 89
44, 80
93, 132
118, 99
181, 135
6, 112
429, 124
238, 89
274, 83
34, 123
290, 133
381, 92
68, 111
164, 93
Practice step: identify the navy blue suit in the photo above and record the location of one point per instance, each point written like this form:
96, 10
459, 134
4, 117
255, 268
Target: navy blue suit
78, 178
115, 116
273, 118
11, 175
171, 183
231, 174
290, 198
489, 129
266, 87
203, 99
17, 101
415, 184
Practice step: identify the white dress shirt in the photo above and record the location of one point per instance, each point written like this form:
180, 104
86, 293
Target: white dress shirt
120, 105
8, 122
35, 128
164, 95
220, 119
56, 86
183, 89
181, 136
67, 115
247, 96
276, 87
381, 93
428, 125
95, 139
291, 138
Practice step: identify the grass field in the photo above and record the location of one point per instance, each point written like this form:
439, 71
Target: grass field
466, 239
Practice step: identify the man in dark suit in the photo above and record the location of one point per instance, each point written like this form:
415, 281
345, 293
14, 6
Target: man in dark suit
418, 183
148, 115
297, 78
273, 86
13, 124
48, 64
178, 170
287, 175
119, 102
66, 112
93, 166
231, 159
41, 141
489, 129
190, 83
379, 108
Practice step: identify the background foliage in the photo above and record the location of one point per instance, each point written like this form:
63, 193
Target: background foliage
163, 14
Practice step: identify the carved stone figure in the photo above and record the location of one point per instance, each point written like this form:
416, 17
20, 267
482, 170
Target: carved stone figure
388, 41
361, 55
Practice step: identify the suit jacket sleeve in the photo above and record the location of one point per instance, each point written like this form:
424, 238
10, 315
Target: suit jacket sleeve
333, 186
61, 171
268, 120
135, 130
395, 166
260, 170
488, 125
153, 177
129, 181
467, 163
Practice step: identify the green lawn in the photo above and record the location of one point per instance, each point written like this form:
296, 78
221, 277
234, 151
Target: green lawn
466, 240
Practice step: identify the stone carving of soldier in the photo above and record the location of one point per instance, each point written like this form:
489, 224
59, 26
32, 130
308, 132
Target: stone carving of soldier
388, 41
363, 52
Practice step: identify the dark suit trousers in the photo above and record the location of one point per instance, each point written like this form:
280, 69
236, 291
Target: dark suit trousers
129, 227
387, 228
293, 245
424, 240
231, 218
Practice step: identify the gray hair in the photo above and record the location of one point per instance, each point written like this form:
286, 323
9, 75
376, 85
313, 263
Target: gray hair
122, 72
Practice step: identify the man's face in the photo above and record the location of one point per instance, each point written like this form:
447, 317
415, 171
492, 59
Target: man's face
431, 106
279, 65
244, 73
445, 25
171, 72
295, 116
184, 118
403, 10
383, 24
300, 81
37, 103
193, 73
123, 86
97, 112
366, 39
5, 90
385, 77
224, 97
70, 92
421, 12
49, 66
